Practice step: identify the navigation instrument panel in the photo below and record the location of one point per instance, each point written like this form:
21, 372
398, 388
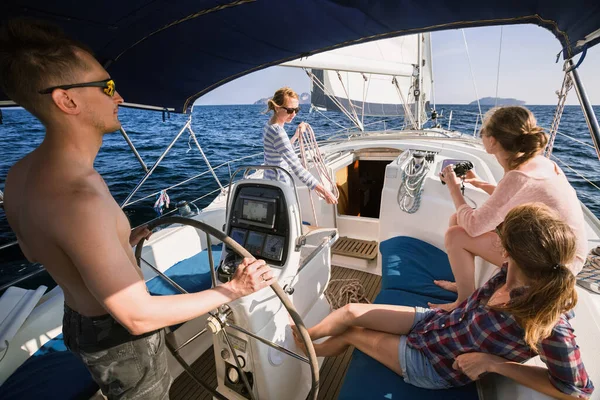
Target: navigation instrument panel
258, 211
259, 222
255, 241
274, 247
239, 235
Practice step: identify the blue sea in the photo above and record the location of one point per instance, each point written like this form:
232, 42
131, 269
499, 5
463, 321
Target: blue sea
232, 132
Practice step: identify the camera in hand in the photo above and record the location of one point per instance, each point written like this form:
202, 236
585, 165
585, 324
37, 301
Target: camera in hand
461, 167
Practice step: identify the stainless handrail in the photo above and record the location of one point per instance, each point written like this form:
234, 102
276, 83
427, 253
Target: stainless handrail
9, 244
22, 278
132, 147
333, 237
156, 164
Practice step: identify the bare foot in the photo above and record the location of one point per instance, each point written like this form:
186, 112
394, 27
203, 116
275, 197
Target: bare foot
447, 285
445, 307
298, 339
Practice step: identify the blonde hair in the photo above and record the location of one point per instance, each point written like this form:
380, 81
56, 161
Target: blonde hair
278, 98
542, 246
517, 131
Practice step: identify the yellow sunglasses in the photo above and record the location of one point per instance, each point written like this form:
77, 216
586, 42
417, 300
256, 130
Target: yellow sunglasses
107, 85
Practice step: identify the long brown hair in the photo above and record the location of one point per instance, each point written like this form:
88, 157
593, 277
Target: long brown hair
542, 246
278, 98
33, 56
517, 131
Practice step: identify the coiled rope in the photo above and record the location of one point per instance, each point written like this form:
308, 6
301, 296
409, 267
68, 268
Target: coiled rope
411, 187
309, 149
350, 292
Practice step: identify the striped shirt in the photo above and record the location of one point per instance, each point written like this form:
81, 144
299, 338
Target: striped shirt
473, 327
279, 152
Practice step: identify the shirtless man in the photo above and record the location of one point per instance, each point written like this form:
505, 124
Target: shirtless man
66, 219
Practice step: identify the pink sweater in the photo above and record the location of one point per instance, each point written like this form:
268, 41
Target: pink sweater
517, 188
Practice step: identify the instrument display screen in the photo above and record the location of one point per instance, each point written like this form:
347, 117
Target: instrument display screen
274, 247
239, 235
257, 211
254, 244
253, 210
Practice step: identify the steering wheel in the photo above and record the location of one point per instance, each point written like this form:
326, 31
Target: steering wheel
241, 251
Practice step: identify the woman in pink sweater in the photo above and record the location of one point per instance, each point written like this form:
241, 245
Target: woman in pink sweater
511, 134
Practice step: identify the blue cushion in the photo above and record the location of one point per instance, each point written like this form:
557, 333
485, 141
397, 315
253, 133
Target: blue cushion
192, 274
51, 346
411, 265
368, 379
51, 373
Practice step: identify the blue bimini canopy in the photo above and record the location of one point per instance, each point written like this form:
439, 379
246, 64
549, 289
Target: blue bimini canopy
168, 53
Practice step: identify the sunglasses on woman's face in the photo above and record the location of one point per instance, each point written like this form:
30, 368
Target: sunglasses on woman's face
107, 85
291, 110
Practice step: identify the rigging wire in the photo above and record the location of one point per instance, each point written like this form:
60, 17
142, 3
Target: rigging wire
498, 73
574, 171
472, 75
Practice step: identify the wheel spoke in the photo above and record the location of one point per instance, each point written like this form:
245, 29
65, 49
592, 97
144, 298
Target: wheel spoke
269, 343
237, 363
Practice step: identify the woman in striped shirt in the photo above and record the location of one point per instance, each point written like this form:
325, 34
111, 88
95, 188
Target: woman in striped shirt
278, 147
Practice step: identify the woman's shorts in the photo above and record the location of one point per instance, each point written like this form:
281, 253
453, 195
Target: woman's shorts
416, 368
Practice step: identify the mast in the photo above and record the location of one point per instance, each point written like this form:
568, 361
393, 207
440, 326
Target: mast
418, 85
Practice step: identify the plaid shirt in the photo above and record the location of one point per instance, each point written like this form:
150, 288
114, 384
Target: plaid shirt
473, 327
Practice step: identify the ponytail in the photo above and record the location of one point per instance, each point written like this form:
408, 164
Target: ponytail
542, 246
539, 308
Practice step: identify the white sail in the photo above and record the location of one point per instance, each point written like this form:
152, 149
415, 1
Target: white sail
361, 77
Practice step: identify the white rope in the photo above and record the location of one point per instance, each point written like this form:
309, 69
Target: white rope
498, 73
560, 107
309, 148
472, 75
411, 186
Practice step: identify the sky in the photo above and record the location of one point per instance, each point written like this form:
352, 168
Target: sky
528, 70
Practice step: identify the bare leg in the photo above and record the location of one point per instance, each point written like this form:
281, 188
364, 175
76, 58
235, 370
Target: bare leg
446, 285
379, 345
395, 320
462, 250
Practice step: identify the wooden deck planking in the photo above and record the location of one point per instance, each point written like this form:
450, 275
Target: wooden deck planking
332, 371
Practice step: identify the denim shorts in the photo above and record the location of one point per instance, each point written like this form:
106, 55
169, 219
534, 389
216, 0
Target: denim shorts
125, 366
416, 368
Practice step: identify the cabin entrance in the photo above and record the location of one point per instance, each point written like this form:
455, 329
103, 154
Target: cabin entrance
360, 185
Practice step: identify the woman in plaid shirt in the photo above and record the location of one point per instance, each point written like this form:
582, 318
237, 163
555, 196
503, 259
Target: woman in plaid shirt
521, 312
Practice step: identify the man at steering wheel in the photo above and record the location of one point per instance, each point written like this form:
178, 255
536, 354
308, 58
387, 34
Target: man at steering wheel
111, 322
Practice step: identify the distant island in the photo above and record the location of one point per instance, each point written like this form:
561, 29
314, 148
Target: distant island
491, 101
304, 99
